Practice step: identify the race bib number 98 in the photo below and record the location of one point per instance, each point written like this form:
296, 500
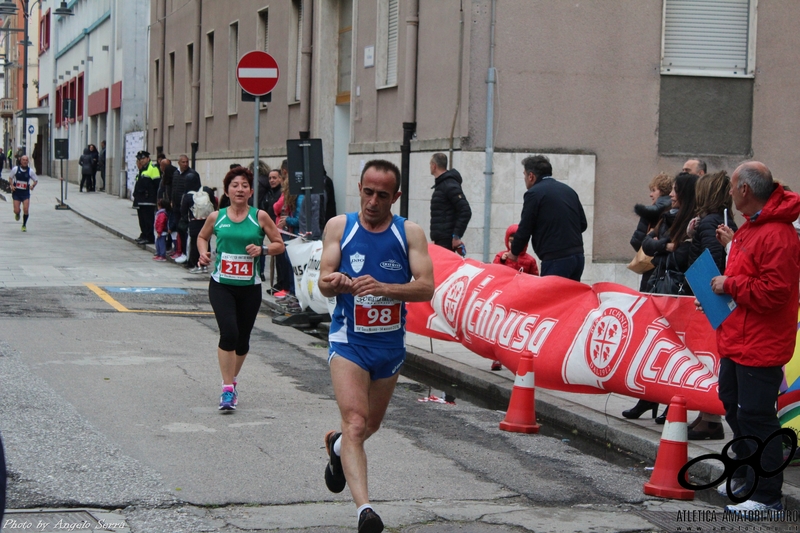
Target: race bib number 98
237, 267
376, 314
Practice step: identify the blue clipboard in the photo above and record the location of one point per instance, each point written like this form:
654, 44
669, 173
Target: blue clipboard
716, 307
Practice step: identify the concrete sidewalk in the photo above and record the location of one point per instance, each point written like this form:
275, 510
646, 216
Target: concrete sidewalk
596, 416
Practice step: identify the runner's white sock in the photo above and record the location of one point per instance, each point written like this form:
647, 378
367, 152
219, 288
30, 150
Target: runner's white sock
360, 509
337, 446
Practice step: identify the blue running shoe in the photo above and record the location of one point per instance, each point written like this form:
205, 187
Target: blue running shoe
226, 401
753, 510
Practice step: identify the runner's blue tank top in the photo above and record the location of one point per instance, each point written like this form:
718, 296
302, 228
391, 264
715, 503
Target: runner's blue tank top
22, 179
372, 321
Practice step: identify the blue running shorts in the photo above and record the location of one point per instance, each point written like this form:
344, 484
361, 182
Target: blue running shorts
379, 362
20, 195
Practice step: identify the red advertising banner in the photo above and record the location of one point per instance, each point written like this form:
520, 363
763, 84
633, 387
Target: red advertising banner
597, 338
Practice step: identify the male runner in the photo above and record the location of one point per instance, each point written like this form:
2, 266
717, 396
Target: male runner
23, 181
373, 262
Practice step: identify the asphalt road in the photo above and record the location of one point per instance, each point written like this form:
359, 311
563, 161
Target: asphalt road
112, 404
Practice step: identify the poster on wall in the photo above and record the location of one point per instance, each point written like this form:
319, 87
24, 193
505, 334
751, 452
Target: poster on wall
134, 142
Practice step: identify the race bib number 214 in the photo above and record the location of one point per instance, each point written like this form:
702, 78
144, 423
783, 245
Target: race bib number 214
236, 267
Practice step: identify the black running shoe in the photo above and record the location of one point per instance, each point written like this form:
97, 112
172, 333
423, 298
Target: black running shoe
334, 475
369, 522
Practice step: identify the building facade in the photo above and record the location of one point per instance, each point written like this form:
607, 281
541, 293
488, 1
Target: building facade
97, 59
16, 135
614, 92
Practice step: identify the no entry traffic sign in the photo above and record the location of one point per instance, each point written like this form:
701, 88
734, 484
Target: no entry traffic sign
257, 73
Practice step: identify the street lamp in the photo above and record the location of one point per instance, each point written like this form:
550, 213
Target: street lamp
10, 8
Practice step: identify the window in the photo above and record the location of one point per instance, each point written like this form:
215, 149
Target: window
709, 38
345, 51
208, 81
44, 33
79, 96
295, 50
233, 59
157, 69
188, 88
388, 28
59, 107
262, 36
707, 69
170, 89
73, 92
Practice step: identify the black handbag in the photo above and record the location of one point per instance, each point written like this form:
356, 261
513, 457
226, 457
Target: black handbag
665, 280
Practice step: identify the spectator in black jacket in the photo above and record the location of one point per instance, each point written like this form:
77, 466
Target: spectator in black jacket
660, 187
95, 164
450, 211
263, 183
553, 219
272, 193
87, 169
330, 200
144, 196
184, 179
713, 197
101, 164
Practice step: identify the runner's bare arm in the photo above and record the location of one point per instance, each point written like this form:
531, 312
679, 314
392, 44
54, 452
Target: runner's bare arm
275, 246
203, 239
331, 281
420, 288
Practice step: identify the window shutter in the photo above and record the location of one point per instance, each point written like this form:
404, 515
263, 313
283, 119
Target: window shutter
706, 37
391, 48
299, 66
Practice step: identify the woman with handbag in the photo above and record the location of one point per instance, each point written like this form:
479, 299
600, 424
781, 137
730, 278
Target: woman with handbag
668, 244
649, 215
713, 198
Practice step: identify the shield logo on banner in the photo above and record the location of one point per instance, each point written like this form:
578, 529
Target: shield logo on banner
357, 262
605, 340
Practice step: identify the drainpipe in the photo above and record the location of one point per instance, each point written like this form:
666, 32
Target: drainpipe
162, 14
488, 173
111, 125
409, 102
198, 36
305, 69
86, 119
458, 78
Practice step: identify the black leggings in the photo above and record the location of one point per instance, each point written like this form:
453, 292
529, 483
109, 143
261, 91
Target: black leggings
236, 309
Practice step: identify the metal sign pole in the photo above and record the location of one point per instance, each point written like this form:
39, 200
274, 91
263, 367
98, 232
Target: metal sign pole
255, 152
66, 181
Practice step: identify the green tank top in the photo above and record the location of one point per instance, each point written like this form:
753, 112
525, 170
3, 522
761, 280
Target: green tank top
233, 266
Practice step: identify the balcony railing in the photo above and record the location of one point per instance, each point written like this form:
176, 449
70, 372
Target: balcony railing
7, 106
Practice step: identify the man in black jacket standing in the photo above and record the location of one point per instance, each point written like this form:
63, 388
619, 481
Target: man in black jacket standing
144, 196
553, 218
450, 211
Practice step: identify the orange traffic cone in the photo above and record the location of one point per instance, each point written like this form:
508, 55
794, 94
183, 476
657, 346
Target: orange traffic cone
673, 453
521, 414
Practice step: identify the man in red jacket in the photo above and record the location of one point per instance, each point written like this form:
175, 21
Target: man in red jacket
758, 337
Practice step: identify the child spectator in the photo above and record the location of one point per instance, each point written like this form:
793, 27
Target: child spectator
525, 264
160, 228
